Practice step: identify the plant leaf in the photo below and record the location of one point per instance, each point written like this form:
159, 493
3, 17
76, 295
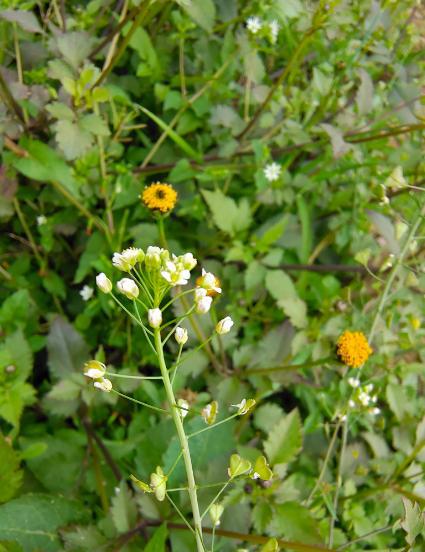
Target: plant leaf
67, 349
285, 439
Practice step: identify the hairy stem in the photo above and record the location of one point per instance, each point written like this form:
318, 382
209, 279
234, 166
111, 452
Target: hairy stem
178, 422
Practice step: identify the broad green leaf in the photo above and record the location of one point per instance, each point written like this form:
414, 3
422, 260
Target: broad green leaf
262, 514
60, 111
227, 215
13, 398
294, 522
83, 539
283, 290
284, 440
67, 350
94, 246
73, 139
339, 146
33, 520
413, 522
75, 47
94, 124
45, 165
157, 542
267, 415
288, 8
16, 357
202, 12
271, 546
25, 19
10, 474
123, 508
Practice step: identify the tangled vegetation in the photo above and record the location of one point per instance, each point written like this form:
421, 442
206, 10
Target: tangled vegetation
212, 275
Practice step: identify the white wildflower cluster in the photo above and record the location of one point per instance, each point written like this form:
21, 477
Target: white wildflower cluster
86, 293
96, 371
363, 397
257, 26
272, 171
207, 287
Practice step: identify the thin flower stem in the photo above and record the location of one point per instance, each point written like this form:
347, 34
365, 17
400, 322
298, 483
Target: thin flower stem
176, 365
365, 536
325, 463
141, 279
177, 509
27, 231
338, 481
217, 496
156, 408
182, 294
178, 422
209, 486
173, 467
178, 362
145, 330
128, 376
212, 426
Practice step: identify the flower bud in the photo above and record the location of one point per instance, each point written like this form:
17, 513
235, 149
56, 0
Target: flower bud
120, 262
103, 283
203, 305
133, 255
104, 385
188, 261
184, 407
181, 335
224, 326
128, 287
94, 369
155, 317
153, 257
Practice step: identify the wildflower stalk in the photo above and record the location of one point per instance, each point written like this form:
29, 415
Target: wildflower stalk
178, 422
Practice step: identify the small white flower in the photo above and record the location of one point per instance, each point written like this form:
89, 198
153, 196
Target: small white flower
209, 281
255, 475
184, 407
375, 411
188, 261
364, 398
253, 24
181, 335
133, 255
224, 326
174, 276
354, 382
244, 406
41, 220
104, 385
120, 262
94, 369
153, 257
351, 403
155, 317
272, 171
86, 293
200, 293
128, 287
274, 30
368, 388
103, 283
203, 305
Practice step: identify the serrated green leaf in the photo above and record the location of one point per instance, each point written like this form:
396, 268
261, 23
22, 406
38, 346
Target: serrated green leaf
75, 47
94, 124
10, 474
25, 19
123, 509
413, 522
227, 215
60, 111
295, 522
283, 290
284, 439
72, 139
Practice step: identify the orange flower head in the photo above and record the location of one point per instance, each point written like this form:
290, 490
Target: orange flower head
159, 197
353, 348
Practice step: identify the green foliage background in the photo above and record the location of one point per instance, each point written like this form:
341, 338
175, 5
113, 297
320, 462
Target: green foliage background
101, 98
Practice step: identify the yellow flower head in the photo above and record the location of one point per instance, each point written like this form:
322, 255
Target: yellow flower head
159, 197
353, 348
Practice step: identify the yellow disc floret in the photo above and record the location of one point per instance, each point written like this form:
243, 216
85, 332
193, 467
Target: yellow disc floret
159, 197
353, 348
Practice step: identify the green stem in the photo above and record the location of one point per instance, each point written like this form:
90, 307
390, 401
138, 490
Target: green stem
183, 442
156, 408
212, 426
338, 481
161, 232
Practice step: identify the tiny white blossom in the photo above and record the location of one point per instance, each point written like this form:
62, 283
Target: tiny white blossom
375, 411
209, 281
128, 287
133, 255
86, 292
41, 220
364, 398
103, 283
174, 276
272, 171
199, 293
203, 305
188, 261
351, 403
244, 406
181, 335
120, 262
155, 317
153, 257
354, 382
94, 369
253, 24
104, 385
224, 326
274, 30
